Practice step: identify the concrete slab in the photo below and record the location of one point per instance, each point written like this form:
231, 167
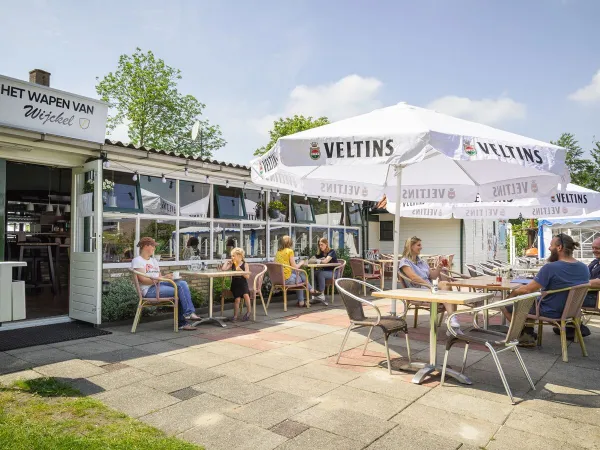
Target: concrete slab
157, 365
232, 351
271, 409
289, 428
180, 379
130, 339
316, 439
297, 385
200, 357
9, 363
74, 368
233, 389
187, 414
509, 438
350, 424
382, 383
117, 356
89, 348
8, 379
136, 400
409, 438
274, 360
119, 378
376, 405
48, 355
219, 432
319, 370
245, 371
447, 424
164, 348
185, 393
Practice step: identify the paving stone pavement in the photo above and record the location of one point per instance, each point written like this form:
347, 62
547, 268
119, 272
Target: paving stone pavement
275, 384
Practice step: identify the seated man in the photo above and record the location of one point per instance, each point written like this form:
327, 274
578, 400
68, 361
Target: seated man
591, 300
562, 271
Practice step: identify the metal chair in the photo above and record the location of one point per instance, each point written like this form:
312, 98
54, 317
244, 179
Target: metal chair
474, 271
571, 313
172, 302
277, 277
487, 269
358, 270
349, 290
495, 342
416, 305
338, 272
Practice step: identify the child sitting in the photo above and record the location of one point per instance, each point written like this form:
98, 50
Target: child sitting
239, 284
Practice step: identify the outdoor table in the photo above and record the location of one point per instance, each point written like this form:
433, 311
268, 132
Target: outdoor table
312, 268
487, 283
211, 275
425, 295
533, 270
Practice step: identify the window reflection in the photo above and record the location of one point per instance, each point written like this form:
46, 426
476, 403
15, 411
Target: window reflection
163, 232
336, 212
120, 192
276, 233
194, 199
158, 198
255, 240
227, 236
229, 203
301, 241
118, 240
194, 240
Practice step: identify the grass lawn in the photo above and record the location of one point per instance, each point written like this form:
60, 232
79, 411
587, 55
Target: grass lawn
47, 414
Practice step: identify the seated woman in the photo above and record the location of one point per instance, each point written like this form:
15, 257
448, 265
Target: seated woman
419, 272
285, 255
326, 255
146, 263
191, 249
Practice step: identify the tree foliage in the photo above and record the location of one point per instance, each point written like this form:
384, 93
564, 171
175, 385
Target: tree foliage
580, 167
290, 125
143, 94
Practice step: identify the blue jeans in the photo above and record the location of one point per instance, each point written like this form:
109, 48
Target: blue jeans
322, 276
186, 307
293, 279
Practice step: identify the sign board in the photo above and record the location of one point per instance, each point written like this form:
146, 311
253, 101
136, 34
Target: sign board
39, 108
373, 254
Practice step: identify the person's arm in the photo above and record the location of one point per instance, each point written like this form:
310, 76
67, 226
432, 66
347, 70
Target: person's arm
293, 262
595, 283
408, 272
530, 288
435, 273
327, 258
227, 265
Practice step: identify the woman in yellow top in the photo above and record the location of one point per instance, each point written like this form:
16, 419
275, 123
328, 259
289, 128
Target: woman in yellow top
285, 255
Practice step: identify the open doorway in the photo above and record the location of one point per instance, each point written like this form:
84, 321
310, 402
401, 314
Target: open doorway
37, 225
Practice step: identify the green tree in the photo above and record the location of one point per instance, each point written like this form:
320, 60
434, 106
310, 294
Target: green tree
143, 93
580, 167
290, 125
594, 175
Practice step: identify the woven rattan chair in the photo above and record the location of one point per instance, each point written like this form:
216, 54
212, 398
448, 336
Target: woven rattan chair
416, 305
349, 290
277, 278
487, 269
495, 342
359, 272
143, 302
571, 313
474, 271
593, 310
338, 272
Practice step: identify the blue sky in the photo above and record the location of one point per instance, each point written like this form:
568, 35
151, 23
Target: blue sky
527, 66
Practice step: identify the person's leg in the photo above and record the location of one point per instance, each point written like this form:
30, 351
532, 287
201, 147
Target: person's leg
303, 278
248, 308
299, 293
236, 308
449, 307
185, 298
167, 290
321, 280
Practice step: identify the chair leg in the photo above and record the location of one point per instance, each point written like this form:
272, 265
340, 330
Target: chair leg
254, 307
520, 358
416, 317
464, 363
176, 315
284, 299
387, 352
501, 372
540, 333
136, 320
307, 300
368, 339
563, 341
343, 343
364, 287
444, 367
262, 299
408, 348
333, 294
577, 323
222, 304
440, 316
270, 295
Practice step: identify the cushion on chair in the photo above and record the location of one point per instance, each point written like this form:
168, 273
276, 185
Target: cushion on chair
387, 324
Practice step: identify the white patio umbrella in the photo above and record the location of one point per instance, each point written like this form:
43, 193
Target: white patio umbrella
415, 155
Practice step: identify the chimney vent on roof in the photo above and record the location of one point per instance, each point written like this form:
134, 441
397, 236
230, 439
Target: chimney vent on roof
39, 76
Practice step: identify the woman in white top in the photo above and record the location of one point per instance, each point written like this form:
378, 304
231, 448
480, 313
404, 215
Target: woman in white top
146, 263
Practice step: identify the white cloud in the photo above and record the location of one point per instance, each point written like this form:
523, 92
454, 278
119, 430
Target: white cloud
589, 93
347, 97
488, 111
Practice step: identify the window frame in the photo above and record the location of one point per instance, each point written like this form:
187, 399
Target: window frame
312, 211
382, 236
138, 210
218, 204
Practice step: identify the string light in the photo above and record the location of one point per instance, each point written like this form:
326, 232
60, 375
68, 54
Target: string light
135, 176
149, 179
106, 164
226, 183
171, 184
305, 197
164, 179
186, 172
193, 188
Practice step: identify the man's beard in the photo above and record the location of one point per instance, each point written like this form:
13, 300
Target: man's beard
553, 256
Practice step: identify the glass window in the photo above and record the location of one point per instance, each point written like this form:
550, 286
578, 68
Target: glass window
303, 212
276, 232
120, 192
352, 242
278, 209
118, 240
194, 199
317, 233
229, 203
336, 239
194, 240
163, 232
301, 241
336, 212
386, 230
255, 240
353, 214
227, 236
255, 205
158, 197
320, 211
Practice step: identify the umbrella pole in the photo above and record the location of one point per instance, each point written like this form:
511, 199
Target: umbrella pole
398, 173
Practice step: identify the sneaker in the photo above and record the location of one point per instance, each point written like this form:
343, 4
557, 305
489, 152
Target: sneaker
456, 329
320, 297
192, 316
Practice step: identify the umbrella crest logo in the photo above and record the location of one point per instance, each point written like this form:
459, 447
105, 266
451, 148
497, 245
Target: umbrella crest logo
451, 193
565, 210
261, 168
534, 186
469, 147
502, 213
315, 151
365, 192
553, 198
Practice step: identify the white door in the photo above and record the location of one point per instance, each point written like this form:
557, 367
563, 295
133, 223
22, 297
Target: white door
85, 300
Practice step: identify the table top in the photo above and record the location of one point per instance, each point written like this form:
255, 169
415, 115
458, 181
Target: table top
13, 263
37, 244
214, 273
485, 281
425, 295
317, 265
523, 269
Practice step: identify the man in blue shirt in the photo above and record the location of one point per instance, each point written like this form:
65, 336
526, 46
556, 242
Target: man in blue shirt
562, 271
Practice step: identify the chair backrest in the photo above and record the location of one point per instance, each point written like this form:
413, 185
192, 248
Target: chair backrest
276, 273
575, 301
257, 274
350, 291
136, 282
521, 307
407, 281
487, 270
358, 267
338, 272
446, 276
473, 271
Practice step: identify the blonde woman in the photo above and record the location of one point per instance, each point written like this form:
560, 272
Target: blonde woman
239, 285
285, 255
419, 272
